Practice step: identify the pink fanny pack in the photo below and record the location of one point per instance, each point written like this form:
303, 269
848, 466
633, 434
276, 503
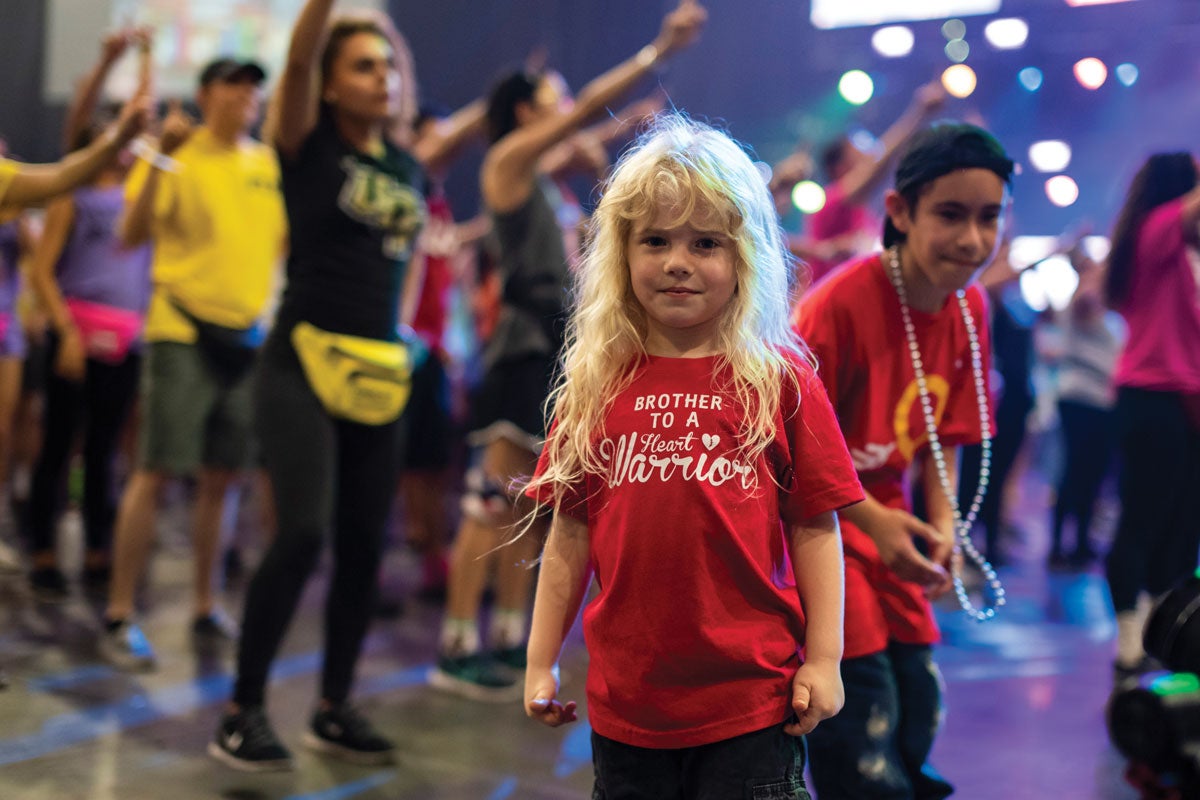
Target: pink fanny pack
107, 332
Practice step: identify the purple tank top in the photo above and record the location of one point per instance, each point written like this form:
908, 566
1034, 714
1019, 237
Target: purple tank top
94, 265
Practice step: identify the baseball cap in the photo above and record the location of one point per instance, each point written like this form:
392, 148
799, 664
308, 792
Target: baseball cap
227, 69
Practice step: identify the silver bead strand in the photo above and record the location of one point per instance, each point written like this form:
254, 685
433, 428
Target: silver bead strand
962, 525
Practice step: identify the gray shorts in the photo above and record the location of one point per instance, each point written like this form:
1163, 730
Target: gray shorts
189, 418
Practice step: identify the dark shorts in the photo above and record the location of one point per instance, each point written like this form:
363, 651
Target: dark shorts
427, 417
510, 401
762, 765
190, 417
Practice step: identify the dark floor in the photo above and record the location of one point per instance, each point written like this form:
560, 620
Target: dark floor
1025, 720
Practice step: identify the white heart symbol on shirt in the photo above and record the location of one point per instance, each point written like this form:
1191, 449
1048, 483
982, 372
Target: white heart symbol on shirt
710, 440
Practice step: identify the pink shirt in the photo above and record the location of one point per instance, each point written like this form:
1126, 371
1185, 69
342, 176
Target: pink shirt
1163, 308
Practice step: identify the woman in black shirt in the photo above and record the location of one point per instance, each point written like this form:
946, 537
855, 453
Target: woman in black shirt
332, 378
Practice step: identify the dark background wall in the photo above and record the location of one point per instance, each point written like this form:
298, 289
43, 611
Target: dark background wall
762, 70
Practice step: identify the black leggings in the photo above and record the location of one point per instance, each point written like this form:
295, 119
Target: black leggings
1088, 439
323, 471
101, 402
1158, 535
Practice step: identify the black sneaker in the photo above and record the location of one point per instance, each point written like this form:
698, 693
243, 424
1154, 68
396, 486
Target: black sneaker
49, 585
215, 626
476, 677
346, 734
245, 741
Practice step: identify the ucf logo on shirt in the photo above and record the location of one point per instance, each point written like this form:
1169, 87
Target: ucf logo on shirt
381, 201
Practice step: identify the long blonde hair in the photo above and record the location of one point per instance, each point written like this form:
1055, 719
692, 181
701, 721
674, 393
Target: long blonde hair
690, 167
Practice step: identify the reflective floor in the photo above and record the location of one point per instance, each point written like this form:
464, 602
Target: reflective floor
1026, 694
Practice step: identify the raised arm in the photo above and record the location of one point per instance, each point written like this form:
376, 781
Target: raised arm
136, 225
586, 151
87, 94
293, 110
860, 182
437, 149
510, 167
36, 183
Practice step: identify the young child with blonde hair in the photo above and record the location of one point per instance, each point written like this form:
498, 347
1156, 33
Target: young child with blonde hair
694, 468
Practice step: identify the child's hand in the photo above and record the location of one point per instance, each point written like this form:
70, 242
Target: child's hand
541, 689
893, 533
817, 694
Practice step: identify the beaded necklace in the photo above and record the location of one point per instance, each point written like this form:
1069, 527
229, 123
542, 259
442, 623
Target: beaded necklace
962, 525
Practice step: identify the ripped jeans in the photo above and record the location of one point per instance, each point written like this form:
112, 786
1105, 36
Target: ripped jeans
877, 746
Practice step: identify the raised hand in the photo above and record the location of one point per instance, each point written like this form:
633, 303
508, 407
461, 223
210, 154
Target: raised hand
134, 118
177, 128
930, 97
681, 28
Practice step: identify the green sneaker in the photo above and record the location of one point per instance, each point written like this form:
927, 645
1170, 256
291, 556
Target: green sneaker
476, 677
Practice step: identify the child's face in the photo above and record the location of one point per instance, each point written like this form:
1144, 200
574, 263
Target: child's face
684, 278
953, 231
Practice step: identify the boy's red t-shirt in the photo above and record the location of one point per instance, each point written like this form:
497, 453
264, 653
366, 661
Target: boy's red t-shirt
853, 324
695, 632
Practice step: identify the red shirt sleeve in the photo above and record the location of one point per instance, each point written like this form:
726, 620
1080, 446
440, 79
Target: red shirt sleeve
570, 500
822, 477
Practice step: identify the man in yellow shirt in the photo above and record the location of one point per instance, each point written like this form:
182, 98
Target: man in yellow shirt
209, 200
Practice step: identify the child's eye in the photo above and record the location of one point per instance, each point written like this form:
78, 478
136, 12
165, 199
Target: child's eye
651, 240
707, 243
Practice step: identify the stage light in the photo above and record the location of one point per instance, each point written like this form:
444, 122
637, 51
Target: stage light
1030, 78
1050, 155
808, 196
1127, 74
959, 80
1007, 34
1050, 284
1091, 73
856, 87
864, 140
893, 41
957, 50
954, 29
1062, 191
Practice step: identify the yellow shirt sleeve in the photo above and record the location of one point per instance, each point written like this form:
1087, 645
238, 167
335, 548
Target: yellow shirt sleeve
8, 171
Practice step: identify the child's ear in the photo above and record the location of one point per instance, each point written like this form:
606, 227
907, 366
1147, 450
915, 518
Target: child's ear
898, 211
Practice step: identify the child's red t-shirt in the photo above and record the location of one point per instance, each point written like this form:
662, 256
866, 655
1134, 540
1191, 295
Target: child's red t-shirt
695, 632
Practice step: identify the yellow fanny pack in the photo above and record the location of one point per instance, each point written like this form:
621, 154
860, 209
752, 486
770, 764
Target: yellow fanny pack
362, 380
